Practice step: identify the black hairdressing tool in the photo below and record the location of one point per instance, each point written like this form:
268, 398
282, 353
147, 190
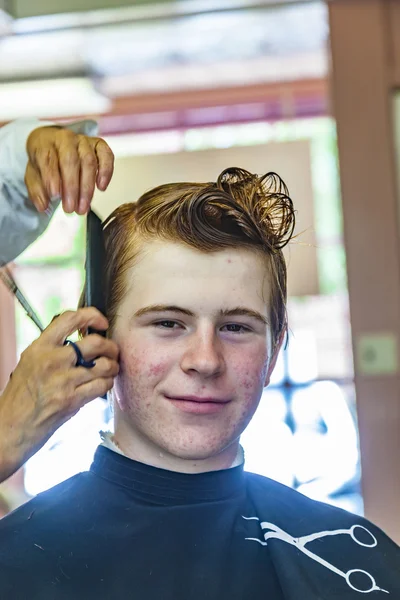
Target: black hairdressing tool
95, 261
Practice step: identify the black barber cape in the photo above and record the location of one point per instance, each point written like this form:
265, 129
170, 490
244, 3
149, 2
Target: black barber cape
125, 530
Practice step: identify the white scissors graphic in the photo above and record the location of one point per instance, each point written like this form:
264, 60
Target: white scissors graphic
301, 542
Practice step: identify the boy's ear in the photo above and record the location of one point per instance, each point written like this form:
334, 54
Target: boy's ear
274, 357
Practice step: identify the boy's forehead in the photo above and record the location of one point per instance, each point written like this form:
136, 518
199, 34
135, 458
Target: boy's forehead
172, 254
173, 273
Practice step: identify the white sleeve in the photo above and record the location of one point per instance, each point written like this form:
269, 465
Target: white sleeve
20, 222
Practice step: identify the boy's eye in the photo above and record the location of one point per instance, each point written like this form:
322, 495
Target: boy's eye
229, 327
166, 324
236, 328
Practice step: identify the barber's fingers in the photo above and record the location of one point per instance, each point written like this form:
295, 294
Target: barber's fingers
69, 162
70, 321
96, 165
83, 162
92, 347
93, 389
63, 397
36, 189
104, 369
45, 161
67, 165
88, 174
105, 160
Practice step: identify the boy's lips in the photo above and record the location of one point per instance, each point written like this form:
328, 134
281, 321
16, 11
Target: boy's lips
198, 405
197, 399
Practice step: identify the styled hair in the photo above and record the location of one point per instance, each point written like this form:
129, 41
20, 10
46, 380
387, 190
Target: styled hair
239, 210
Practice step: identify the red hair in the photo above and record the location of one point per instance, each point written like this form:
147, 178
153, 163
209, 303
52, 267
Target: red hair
239, 210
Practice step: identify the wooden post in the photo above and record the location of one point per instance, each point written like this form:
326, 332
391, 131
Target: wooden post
364, 67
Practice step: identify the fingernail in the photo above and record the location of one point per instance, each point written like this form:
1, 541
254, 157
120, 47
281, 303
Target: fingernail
103, 183
69, 205
82, 205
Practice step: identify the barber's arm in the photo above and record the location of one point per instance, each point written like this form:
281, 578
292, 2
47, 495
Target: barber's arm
42, 165
46, 388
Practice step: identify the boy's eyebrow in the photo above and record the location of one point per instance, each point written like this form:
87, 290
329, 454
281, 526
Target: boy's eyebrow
157, 308
242, 311
232, 312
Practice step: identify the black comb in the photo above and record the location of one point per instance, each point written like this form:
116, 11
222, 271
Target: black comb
95, 261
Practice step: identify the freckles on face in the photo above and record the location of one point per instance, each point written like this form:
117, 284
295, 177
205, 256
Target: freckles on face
155, 369
250, 378
246, 383
139, 373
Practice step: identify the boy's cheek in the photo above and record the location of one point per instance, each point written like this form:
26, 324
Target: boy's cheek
140, 364
252, 370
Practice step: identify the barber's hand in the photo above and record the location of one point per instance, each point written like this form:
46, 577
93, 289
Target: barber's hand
67, 165
46, 388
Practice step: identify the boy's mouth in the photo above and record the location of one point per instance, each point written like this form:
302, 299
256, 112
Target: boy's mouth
198, 405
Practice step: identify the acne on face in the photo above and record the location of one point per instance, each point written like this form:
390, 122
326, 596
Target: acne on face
155, 369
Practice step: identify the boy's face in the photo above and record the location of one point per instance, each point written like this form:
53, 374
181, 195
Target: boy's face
195, 354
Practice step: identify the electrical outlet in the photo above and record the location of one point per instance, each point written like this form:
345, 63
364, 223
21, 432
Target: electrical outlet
377, 354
